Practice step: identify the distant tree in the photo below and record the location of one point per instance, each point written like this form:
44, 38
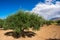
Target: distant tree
23, 21
49, 22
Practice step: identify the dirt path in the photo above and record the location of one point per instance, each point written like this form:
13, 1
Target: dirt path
44, 33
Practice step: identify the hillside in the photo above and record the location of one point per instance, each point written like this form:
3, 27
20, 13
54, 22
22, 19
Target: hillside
44, 33
57, 18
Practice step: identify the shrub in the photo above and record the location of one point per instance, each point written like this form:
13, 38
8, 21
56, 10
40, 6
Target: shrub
1, 23
58, 22
49, 22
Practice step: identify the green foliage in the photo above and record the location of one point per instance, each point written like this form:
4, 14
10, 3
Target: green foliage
58, 22
36, 21
23, 21
1, 23
49, 22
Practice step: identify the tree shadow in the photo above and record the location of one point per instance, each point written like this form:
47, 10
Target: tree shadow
53, 39
24, 34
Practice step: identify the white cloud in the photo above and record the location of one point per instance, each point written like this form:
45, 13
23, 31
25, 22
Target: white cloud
57, 3
47, 11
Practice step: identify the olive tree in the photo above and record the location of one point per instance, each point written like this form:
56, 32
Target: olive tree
21, 21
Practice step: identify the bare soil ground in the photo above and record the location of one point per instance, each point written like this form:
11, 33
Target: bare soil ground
45, 32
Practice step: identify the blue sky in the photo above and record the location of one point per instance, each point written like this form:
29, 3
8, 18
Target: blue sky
8, 7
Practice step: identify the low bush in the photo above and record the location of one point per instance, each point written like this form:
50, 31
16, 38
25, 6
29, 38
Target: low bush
49, 22
57, 22
1, 23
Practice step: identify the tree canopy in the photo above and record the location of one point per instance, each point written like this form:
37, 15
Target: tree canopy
23, 21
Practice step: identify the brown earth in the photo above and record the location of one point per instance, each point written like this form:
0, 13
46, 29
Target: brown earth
45, 32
